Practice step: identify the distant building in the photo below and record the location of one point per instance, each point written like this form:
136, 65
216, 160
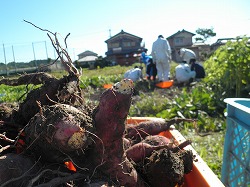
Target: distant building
184, 39
180, 39
87, 59
223, 41
123, 48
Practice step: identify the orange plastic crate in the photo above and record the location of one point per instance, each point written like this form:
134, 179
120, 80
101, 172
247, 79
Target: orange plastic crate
107, 86
165, 84
201, 175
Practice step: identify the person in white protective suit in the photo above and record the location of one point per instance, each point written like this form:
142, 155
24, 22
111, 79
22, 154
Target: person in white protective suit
186, 55
161, 53
183, 73
134, 74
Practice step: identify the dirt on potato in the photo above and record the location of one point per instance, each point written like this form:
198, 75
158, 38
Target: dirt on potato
166, 168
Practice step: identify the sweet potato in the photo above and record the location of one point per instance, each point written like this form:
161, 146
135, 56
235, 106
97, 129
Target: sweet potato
57, 132
152, 127
158, 140
65, 90
140, 151
145, 148
109, 120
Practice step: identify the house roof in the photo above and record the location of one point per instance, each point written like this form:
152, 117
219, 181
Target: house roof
122, 33
179, 33
87, 59
87, 53
222, 41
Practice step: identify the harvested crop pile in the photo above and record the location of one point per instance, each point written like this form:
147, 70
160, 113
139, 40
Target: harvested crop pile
53, 138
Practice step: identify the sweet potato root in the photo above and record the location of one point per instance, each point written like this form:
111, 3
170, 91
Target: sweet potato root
57, 132
140, 131
65, 90
109, 119
140, 151
145, 148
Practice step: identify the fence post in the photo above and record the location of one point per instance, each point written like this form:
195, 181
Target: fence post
34, 55
14, 58
5, 60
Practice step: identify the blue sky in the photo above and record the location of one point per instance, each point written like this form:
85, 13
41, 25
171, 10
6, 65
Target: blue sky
91, 23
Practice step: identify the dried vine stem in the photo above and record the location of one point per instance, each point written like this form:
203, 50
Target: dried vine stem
68, 64
3, 136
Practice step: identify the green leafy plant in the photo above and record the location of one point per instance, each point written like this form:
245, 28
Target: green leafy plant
14, 93
228, 70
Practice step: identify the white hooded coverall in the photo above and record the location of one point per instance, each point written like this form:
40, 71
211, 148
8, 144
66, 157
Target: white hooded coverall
133, 74
187, 54
161, 53
183, 73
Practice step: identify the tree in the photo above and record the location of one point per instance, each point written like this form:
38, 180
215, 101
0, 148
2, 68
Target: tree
205, 34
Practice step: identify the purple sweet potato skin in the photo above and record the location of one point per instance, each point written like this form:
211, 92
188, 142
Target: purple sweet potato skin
138, 152
109, 120
158, 140
143, 129
111, 114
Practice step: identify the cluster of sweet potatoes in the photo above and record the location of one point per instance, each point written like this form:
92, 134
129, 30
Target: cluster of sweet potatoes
79, 144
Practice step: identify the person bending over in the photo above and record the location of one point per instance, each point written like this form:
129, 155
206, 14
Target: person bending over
134, 74
183, 73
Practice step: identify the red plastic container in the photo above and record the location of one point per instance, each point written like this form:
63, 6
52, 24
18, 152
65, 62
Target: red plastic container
202, 175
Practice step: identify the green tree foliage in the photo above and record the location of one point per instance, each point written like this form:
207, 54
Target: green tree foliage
205, 34
228, 69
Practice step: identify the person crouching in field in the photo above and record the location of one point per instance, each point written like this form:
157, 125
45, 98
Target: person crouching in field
134, 74
183, 73
198, 68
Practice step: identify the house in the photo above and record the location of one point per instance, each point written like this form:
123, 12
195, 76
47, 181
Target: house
123, 48
87, 59
184, 39
181, 39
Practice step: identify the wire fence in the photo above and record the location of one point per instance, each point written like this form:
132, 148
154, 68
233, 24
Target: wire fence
10, 55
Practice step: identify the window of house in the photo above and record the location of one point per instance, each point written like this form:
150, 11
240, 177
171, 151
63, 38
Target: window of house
113, 45
179, 40
128, 44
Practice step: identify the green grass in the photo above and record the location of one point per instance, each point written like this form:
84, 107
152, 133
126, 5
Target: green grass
209, 148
